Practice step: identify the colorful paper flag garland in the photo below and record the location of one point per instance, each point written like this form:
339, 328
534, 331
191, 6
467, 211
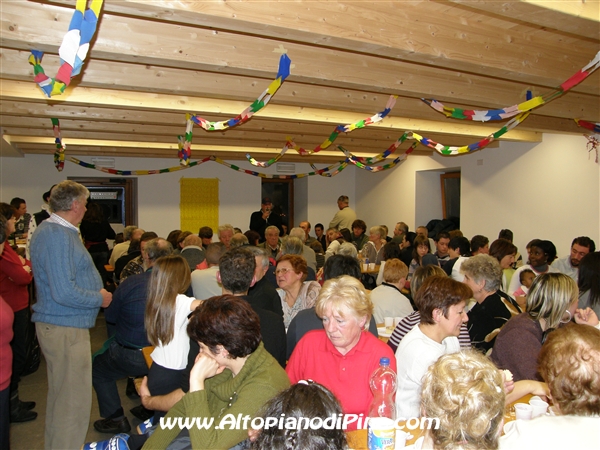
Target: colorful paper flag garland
348, 128
327, 170
185, 142
73, 50
595, 127
511, 111
59, 154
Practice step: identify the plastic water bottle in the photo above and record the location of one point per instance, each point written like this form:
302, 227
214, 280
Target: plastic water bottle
383, 385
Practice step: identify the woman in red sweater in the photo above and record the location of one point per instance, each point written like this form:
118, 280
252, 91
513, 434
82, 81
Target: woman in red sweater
6, 334
15, 276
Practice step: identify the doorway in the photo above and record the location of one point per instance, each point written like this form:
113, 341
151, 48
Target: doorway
281, 193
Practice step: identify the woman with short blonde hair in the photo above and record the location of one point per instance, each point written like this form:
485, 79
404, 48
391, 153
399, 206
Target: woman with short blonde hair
465, 392
343, 355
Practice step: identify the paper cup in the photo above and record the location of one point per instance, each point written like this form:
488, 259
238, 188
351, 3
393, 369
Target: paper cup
508, 426
539, 408
389, 322
401, 437
397, 320
365, 267
371, 266
523, 411
381, 434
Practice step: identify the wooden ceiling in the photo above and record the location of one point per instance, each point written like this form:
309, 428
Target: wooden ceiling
152, 62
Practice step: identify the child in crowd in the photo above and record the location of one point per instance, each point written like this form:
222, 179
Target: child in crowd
526, 278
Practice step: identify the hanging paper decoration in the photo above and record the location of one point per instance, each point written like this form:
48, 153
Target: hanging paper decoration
592, 145
595, 127
593, 141
257, 105
341, 166
332, 137
511, 111
448, 150
73, 50
185, 144
59, 154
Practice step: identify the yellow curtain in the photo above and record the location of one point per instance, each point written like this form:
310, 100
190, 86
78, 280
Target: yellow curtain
199, 203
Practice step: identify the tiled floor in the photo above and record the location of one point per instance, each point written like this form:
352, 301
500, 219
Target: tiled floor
30, 435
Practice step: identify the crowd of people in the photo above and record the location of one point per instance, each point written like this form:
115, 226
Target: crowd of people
275, 322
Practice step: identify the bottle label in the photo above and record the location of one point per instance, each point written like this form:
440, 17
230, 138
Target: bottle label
381, 434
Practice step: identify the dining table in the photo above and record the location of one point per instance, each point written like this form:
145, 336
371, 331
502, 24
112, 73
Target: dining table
357, 439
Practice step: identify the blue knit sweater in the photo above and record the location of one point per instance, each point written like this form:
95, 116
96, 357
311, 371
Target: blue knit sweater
67, 282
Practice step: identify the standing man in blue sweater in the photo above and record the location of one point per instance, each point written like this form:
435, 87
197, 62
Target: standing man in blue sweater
70, 294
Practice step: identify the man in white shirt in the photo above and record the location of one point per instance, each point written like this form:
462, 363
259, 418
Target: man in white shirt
204, 281
569, 265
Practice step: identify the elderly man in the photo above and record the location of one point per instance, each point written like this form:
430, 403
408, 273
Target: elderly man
225, 233
569, 265
124, 357
400, 231
272, 244
305, 225
307, 252
69, 294
345, 216
261, 220
130, 232
192, 251
204, 281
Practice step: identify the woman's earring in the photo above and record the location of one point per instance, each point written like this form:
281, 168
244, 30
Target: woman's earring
569, 319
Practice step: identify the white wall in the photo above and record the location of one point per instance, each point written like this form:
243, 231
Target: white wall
549, 190
158, 195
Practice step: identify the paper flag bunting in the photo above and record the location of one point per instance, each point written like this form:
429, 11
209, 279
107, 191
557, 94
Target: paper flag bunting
340, 166
72, 52
185, 144
332, 137
59, 154
595, 127
511, 111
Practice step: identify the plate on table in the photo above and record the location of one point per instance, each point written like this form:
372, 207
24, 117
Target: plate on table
384, 332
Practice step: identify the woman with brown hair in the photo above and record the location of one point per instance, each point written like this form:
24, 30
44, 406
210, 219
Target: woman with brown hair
295, 292
441, 302
166, 319
233, 375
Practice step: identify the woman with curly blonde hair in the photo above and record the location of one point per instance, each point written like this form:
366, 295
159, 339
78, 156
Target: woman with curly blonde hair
464, 391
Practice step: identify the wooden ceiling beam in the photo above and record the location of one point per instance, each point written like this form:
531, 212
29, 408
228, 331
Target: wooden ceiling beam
190, 47
431, 33
143, 78
550, 15
162, 102
40, 108
159, 152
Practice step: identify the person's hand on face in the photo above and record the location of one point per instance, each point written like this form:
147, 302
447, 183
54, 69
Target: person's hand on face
205, 367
